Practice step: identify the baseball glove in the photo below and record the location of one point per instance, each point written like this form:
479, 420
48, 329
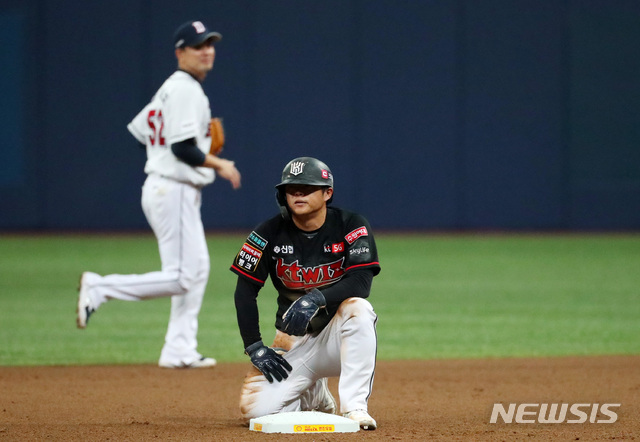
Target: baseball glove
217, 136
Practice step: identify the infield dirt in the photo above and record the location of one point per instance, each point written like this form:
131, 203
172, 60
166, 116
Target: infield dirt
412, 400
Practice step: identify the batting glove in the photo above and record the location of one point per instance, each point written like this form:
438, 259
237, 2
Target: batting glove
270, 363
296, 319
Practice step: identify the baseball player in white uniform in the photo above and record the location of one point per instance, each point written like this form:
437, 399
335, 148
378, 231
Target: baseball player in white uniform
174, 128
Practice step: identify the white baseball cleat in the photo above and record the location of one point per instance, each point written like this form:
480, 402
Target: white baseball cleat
84, 309
327, 403
203, 362
365, 421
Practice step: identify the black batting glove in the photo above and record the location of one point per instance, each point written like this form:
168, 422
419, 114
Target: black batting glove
270, 363
296, 319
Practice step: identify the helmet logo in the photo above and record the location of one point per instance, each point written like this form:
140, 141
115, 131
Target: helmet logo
325, 174
296, 168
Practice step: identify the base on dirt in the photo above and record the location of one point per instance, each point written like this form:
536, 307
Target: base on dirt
303, 422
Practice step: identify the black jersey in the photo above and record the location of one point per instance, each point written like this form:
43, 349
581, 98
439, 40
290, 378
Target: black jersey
299, 261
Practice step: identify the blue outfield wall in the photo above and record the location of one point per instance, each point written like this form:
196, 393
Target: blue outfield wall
443, 114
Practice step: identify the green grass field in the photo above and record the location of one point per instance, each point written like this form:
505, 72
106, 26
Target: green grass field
438, 296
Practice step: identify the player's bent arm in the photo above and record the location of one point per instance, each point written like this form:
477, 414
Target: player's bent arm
224, 168
188, 152
271, 364
245, 297
354, 284
298, 317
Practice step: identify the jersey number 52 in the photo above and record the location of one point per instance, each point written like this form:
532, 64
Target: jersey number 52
156, 124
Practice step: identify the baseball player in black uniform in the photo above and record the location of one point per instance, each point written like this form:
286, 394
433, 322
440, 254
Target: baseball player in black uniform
322, 261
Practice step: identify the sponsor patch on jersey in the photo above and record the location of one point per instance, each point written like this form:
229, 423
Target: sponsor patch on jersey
359, 251
257, 241
334, 248
357, 233
248, 257
283, 249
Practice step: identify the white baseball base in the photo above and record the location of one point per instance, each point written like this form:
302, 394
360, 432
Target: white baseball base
303, 422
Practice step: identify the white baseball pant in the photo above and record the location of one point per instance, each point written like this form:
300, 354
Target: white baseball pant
173, 212
346, 348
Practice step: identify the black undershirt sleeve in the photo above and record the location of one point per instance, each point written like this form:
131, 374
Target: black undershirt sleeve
356, 283
188, 152
245, 296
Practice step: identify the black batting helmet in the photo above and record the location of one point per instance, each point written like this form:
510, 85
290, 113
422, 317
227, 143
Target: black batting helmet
305, 171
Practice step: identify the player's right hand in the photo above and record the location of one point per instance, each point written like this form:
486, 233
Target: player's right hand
225, 169
228, 171
271, 364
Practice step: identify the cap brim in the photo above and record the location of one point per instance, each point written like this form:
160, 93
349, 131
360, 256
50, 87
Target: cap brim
213, 36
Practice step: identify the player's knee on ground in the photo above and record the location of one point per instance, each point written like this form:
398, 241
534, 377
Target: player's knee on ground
250, 394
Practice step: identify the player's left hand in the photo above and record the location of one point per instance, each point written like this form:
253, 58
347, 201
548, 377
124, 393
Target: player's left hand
296, 319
